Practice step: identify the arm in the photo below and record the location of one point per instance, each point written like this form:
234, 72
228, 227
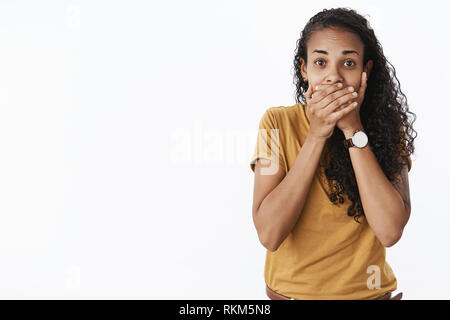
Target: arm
278, 199
386, 205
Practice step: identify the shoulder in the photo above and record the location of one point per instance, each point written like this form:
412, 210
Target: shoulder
283, 114
286, 110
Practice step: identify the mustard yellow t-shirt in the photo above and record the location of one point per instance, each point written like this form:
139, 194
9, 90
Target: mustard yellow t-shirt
327, 255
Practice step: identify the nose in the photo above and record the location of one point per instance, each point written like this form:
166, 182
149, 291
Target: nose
334, 80
334, 77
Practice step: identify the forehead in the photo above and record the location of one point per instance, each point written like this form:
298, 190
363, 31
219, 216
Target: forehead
334, 40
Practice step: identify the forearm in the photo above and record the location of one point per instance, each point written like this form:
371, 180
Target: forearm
383, 206
280, 210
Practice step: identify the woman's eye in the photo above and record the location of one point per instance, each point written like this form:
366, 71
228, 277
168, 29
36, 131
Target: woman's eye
345, 62
318, 60
351, 62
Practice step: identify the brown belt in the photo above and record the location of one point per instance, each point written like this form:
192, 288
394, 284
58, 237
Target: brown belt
276, 296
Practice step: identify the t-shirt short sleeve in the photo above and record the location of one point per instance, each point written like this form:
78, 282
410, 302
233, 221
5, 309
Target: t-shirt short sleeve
268, 144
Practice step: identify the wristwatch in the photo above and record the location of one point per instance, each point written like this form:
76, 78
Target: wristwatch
358, 140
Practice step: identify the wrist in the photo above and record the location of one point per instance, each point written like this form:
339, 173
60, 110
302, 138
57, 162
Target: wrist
348, 133
316, 140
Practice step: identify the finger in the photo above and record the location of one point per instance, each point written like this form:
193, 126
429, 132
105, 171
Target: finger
309, 92
341, 101
323, 91
333, 100
363, 86
345, 105
337, 115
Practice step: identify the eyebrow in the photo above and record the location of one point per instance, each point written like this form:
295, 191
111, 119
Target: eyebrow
343, 52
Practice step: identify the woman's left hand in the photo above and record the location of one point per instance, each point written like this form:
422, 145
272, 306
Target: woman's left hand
353, 120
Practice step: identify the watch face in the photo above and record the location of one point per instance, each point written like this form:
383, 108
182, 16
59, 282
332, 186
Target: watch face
360, 139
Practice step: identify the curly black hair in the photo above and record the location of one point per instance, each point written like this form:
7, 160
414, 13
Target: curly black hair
383, 111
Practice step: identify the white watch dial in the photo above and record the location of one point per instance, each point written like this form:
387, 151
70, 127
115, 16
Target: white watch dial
360, 139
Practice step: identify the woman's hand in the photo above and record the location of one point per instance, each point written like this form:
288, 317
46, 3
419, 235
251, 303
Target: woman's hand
353, 120
323, 108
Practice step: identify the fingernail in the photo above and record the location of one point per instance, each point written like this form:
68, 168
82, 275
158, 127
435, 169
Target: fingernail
339, 85
317, 87
351, 89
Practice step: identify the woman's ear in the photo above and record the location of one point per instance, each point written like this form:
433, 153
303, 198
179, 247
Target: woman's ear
368, 68
303, 69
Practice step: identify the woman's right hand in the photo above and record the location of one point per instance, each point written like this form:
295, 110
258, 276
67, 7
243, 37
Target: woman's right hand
324, 108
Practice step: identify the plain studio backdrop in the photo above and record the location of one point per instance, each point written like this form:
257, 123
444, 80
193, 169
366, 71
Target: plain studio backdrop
126, 131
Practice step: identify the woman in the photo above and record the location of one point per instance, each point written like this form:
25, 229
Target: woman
331, 172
